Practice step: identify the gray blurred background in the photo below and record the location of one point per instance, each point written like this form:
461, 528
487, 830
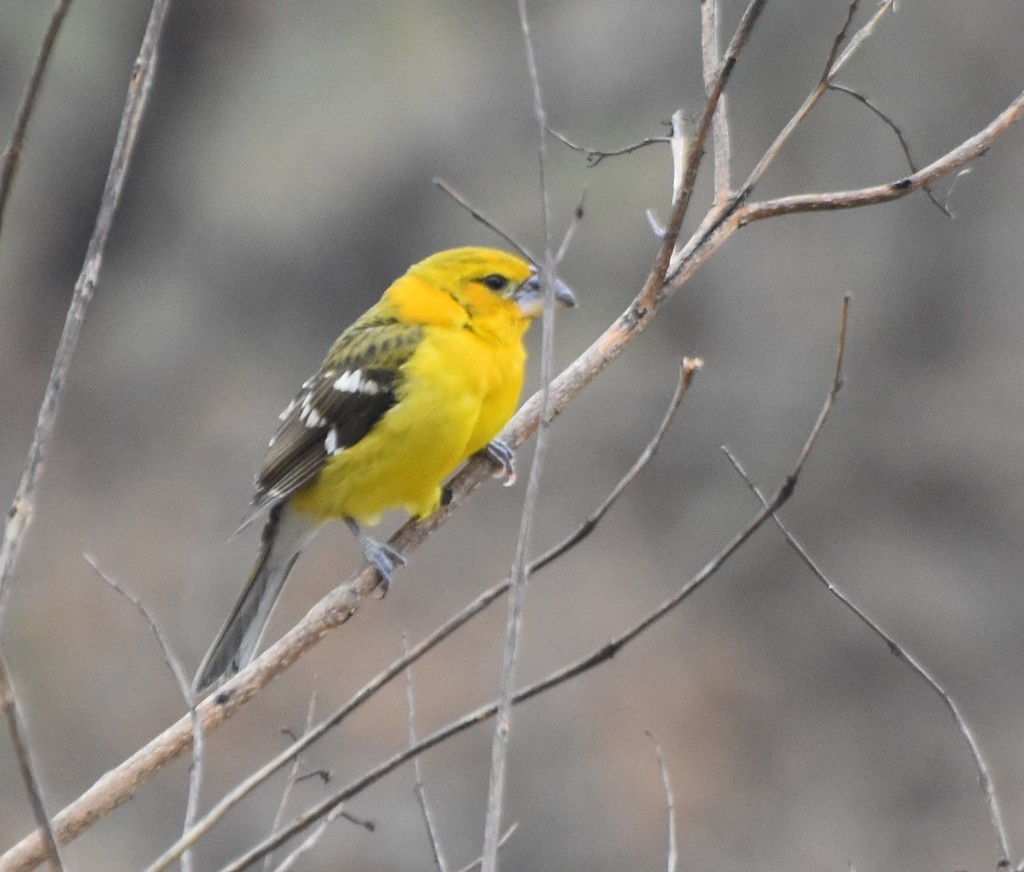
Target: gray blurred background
283, 178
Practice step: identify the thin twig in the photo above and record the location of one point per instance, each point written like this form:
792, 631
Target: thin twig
719, 121
21, 750
952, 187
19, 517
488, 222
677, 143
570, 231
293, 777
832, 65
984, 774
254, 779
576, 668
862, 34
310, 841
594, 156
722, 223
687, 369
9, 163
837, 378
120, 783
11, 157
655, 282
472, 867
443, 631
418, 788
894, 127
670, 804
968, 150
519, 573
195, 773
724, 219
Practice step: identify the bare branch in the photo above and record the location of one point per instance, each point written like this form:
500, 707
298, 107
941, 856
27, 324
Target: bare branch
310, 841
656, 280
472, 867
484, 219
120, 783
984, 774
21, 750
519, 574
11, 157
883, 9
832, 66
687, 369
9, 547
720, 122
293, 777
894, 127
578, 667
467, 613
839, 39
670, 803
19, 517
967, 151
594, 156
570, 231
195, 775
418, 788
677, 142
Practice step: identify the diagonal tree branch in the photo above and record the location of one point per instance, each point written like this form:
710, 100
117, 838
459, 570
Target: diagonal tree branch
656, 280
19, 517
519, 574
442, 632
16, 729
313, 815
670, 805
984, 774
900, 138
9, 163
120, 783
418, 787
968, 150
195, 772
11, 158
719, 122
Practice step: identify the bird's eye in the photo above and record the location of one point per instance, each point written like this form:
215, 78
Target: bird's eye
495, 282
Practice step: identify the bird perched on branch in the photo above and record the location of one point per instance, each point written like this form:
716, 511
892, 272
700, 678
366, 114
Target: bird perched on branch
425, 378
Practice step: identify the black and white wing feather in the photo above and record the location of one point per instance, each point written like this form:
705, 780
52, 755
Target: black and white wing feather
355, 387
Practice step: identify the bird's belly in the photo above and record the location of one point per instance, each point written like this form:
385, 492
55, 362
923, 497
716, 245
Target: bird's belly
403, 461
444, 413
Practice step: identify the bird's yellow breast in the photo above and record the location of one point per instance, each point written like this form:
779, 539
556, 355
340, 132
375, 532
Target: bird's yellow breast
457, 391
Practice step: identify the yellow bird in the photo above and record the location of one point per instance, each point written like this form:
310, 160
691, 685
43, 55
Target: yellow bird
425, 378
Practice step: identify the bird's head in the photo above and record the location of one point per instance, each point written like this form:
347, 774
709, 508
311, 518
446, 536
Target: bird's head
482, 279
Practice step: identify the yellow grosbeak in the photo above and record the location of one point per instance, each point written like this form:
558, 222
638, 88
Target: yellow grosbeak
425, 378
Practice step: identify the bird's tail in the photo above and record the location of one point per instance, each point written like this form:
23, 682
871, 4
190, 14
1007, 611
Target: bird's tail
284, 535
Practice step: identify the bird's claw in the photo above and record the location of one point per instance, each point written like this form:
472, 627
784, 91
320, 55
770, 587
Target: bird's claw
499, 453
385, 560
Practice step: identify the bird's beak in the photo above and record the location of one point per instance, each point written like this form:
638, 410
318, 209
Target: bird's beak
530, 296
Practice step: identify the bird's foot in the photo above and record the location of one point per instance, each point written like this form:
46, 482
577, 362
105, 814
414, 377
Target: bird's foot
382, 557
498, 452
